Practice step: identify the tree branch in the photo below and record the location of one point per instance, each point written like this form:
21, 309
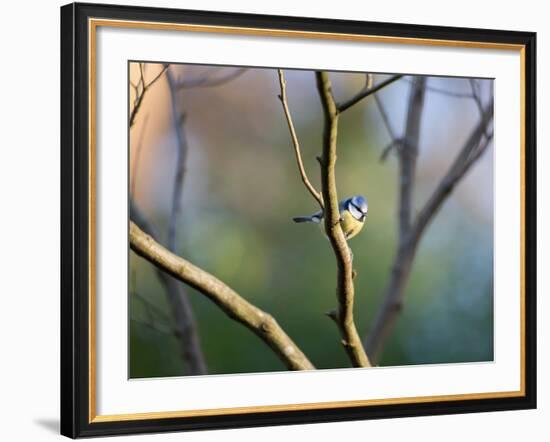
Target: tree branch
209, 81
445, 92
408, 153
259, 322
394, 141
385, 319
182, 309
473, 148
345, 290
365, 92
178, 121
186, 329
138, 100
185, 325
317, 195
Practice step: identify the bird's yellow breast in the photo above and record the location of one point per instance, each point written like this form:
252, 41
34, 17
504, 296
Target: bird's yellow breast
350, 225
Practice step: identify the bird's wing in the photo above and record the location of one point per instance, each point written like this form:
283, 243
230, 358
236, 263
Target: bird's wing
317, 217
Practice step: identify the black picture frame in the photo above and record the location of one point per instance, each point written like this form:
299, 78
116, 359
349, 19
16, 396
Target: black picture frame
75, 219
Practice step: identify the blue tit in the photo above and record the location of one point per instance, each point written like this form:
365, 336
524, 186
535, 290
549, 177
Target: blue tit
353, 212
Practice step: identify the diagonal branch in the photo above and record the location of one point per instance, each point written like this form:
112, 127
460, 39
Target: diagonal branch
471, 151
365, 92
259, 322
345, 290
317, 195
185, 325
475, 145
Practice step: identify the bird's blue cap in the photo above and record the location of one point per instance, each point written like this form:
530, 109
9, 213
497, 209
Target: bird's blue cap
360, 202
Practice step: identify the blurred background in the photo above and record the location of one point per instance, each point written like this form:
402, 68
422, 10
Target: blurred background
241, 189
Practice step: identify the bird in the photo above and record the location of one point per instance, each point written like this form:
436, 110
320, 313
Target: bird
353, 212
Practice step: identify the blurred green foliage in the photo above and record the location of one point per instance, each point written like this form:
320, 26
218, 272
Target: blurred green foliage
238, 227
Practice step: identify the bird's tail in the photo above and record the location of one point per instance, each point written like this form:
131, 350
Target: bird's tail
302, 219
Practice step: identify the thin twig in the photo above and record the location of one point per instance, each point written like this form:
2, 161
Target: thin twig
385, 118
138, 100
365, 92
395, 142
442, 91
282, 97
236, 307
153, 326
208, 80
151, 307
369, 81
345, 288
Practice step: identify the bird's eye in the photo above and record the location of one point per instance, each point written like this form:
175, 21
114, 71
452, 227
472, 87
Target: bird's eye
355, 211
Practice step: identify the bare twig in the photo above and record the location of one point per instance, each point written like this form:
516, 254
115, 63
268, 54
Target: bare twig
153, 326
442, 91
394, 141
365, 92
385, 118
475, 145
259, 322
369, 81
140, 94
209, 80
345, 290
317, 195
151, 307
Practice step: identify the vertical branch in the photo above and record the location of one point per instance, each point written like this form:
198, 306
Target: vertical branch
408, 154
345, 288
186, 329
178, 123
475, 145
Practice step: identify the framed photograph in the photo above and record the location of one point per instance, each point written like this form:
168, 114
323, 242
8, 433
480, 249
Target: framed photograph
279, 220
